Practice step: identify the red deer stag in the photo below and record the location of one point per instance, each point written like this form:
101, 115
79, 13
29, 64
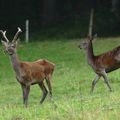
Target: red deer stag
28, 73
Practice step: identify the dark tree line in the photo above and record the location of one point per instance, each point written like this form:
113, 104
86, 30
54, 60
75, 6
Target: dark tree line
47, 12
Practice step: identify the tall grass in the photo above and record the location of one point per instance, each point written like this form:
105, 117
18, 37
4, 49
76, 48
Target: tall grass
71, 84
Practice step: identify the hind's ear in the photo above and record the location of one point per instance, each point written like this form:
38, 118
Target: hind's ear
89, 37
4, 43
95, 37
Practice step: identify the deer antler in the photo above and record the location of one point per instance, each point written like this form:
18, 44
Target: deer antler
4, 35
16, 35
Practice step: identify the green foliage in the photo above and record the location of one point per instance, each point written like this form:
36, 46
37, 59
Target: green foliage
71, 84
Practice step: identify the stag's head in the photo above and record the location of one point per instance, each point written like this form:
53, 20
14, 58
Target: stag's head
84, 45
10, 47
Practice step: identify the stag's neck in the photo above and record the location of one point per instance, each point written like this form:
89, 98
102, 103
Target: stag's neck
15, 64
90, 54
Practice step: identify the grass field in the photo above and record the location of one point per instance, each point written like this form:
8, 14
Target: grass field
71, 84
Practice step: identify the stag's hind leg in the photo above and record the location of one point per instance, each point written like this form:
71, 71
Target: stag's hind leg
48, 81
95, 81
44, 91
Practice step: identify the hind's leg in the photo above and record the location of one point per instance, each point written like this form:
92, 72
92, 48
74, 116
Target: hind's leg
104, 74
95, 81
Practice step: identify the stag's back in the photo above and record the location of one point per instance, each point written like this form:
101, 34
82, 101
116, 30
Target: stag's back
48, 66
36, 70
31, 70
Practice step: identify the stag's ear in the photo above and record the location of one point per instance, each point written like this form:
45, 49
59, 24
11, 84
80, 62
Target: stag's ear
16, 42
4, 43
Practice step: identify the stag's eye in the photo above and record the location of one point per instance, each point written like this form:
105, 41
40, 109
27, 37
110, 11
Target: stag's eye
12, 45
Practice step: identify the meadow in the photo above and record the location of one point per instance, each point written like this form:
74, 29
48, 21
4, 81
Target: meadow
71, 83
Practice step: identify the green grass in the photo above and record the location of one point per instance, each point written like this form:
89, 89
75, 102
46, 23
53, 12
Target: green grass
71, 84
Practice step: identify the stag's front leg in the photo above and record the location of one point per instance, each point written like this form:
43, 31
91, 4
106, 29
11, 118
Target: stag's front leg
26, 90
95, 81
23, 91
44, 91
104, 74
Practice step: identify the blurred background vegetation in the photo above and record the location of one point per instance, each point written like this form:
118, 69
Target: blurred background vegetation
61, 18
